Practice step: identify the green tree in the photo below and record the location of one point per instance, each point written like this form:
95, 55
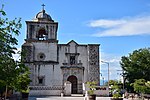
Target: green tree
112, 82
116, 87
136, 65
147, 84
92, 87
140, 86
22, 83
10, 69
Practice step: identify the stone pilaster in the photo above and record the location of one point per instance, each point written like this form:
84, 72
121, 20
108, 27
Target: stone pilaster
28, 52
93, 58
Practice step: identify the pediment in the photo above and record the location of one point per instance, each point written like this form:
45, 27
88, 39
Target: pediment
72, 42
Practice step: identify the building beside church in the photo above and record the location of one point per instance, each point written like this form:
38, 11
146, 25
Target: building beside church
53, 65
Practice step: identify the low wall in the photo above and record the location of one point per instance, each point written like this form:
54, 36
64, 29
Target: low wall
100, 90
45, 91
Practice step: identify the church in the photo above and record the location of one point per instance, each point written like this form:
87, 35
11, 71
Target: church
53, 65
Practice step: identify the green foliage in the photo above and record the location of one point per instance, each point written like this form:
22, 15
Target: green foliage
8, 30
115, 86
147, 84
136, 65
10, 70
116, 95
23, 81
92, 87
140, 86
113, 82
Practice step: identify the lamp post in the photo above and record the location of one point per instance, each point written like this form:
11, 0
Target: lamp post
108, 71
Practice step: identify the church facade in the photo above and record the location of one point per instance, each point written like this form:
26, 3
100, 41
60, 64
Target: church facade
52, 64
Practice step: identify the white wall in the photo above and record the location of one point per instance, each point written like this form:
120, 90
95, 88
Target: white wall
49, 49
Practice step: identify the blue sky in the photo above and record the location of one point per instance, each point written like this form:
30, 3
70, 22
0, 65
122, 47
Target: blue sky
120, 26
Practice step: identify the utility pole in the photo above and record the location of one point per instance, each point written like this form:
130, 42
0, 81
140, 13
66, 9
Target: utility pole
123, 77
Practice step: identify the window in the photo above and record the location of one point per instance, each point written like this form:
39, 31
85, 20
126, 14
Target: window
42, 35
41, 81
41, 56
72, 60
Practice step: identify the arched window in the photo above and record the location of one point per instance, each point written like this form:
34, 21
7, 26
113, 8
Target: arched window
42, 35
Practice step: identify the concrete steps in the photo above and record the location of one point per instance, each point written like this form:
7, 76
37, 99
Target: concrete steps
61, 98
69, 98
72, 97
76, 95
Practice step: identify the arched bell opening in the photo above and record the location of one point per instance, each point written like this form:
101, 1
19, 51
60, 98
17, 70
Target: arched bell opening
42, 35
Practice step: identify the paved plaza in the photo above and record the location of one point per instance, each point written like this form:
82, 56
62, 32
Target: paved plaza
68, 98
72, 98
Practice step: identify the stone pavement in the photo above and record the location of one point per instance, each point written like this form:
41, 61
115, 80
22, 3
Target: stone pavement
72, 97
69, 98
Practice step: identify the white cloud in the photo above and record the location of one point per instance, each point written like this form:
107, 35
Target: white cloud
122, 27
114, 65
106, 23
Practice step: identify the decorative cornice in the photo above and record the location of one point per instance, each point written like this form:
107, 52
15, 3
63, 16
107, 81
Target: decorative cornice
69, 67
45, 41
43, 62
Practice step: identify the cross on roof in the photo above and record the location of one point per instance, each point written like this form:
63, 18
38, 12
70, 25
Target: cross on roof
43, 6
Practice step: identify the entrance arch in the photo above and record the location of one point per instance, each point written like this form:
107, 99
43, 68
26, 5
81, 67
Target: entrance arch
74, 83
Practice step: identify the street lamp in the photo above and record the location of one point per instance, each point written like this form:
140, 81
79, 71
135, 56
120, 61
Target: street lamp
108, 71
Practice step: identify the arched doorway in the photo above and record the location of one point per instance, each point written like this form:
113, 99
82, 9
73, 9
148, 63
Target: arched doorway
74, 82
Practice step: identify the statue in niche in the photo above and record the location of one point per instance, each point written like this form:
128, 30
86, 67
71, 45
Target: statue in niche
72, 60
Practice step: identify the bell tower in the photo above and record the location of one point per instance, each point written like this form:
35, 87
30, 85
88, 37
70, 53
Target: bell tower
41, 47
42, 28
41, 35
